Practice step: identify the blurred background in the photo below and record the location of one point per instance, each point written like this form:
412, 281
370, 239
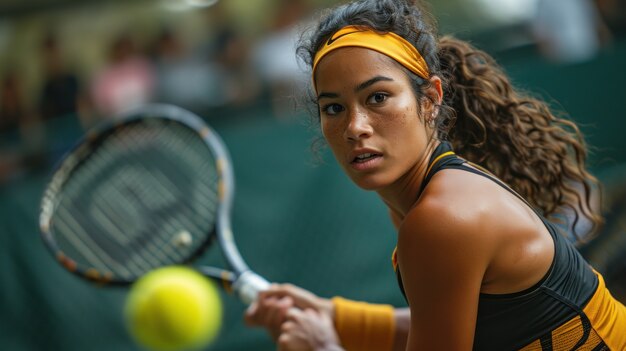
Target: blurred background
68, 64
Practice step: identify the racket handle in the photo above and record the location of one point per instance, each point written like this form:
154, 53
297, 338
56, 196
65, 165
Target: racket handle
248, 285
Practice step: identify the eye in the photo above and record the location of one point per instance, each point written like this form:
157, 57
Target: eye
332, 109
377, 98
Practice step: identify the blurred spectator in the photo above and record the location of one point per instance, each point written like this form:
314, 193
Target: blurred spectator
205, 79
22, 136
274, 56
125, 82
60, 91
568, 31
11, 101
614, 14
183, 79
173, 78
238, 80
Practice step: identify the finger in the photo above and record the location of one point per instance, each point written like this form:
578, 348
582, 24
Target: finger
268, 314
249, 315
311, 313
282, 307
272, 311
287, 327
283, 342
294, 314
278, 290
270, 291
301, 296
274, 291
275, 315
285, 303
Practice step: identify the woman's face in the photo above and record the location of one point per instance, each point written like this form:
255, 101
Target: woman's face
369, 116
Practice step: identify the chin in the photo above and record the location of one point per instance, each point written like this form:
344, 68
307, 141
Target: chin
370, 183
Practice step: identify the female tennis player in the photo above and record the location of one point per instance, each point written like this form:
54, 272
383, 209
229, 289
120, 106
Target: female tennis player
472, 172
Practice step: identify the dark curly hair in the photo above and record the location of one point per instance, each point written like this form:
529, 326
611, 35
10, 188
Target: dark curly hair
514, 135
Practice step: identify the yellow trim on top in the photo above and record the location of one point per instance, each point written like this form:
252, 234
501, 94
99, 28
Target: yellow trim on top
449, 153
394, 258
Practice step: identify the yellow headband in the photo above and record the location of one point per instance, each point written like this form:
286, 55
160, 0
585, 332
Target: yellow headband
389, 44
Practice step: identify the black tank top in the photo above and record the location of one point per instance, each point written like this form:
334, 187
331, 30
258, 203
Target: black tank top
511, 321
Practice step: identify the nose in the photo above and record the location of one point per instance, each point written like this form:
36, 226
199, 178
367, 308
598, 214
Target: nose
359, 126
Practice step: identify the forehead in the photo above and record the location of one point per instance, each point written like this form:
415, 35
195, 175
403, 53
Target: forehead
355, 64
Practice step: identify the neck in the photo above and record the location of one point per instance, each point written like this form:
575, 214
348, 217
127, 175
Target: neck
402, 195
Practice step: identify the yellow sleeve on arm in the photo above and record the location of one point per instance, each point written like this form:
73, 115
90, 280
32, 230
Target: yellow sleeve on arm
363, 326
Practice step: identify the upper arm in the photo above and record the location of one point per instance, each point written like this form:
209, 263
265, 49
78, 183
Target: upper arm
442, 260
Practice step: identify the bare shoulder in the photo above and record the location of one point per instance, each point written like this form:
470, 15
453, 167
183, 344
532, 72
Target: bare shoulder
457, 207
477, 222
460, 211
445, 234
474, 203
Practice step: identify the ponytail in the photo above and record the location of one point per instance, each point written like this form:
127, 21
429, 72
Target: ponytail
515, 136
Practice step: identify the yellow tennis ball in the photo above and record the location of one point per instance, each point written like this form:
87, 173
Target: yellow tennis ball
173, 308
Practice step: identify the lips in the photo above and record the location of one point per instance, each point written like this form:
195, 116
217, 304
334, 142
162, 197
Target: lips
365, 159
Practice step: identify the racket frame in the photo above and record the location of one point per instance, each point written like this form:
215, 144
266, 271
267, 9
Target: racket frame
241, 279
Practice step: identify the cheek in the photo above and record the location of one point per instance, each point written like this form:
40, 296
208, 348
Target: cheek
325, 129
404, 122
331, 134
407, 135
330, 129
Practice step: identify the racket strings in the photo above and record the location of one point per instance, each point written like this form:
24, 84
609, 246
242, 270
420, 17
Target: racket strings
144, 198
111, 215
106, 215
148, 198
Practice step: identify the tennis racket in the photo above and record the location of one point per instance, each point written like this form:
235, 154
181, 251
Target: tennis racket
149, 189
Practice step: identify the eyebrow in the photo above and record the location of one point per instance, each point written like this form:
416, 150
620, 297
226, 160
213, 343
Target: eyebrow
358, 88
370, 82
327, 96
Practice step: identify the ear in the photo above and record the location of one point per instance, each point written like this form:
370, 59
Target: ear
435, 92
434, 97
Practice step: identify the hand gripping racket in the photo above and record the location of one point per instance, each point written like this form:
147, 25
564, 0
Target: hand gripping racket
149, 189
